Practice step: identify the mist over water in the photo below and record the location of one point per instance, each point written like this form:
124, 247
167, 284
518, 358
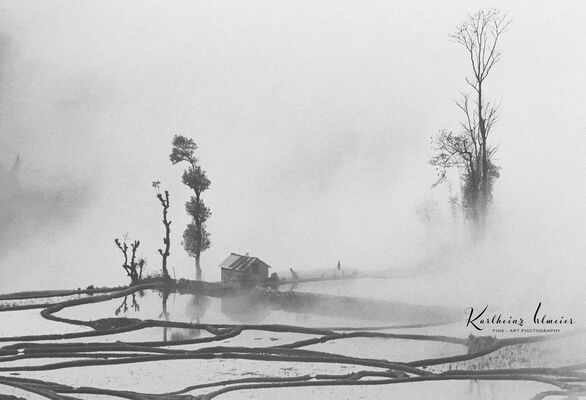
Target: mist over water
313, 124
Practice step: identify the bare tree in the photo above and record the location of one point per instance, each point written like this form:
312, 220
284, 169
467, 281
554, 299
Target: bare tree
167, 239
132, 267
469, 150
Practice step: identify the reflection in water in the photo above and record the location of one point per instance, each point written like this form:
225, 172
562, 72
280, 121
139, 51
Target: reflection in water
245, 309
269, 306
197, 307
473, 390
124, 306
483, 390
164, 313
165, 296
291, 308
195, 310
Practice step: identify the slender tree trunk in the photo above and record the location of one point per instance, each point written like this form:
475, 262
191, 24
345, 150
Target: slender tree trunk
167, 238
197, 268
198, 244
167, 243
165, 313
482, 199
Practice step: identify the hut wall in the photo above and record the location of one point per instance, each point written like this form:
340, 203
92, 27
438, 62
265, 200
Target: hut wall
232, 278
252, 276
256, 273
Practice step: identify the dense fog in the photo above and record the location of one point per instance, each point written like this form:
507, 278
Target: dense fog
313, 121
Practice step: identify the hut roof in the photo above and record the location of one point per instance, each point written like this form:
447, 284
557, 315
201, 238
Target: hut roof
236, 262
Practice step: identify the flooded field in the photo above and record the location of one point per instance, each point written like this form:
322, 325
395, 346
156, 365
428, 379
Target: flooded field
195, 344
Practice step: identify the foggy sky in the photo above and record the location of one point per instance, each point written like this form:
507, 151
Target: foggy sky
313, 121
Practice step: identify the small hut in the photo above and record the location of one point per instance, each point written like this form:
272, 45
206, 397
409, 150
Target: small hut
244, 271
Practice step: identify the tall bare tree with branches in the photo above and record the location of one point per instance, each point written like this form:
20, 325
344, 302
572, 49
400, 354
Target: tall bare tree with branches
164, 200
469, 149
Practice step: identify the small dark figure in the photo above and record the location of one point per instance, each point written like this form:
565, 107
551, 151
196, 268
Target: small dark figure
274, 281
294, 275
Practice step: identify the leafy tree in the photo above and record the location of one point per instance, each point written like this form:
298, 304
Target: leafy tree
469, 149
196, 238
